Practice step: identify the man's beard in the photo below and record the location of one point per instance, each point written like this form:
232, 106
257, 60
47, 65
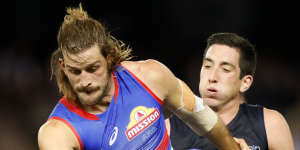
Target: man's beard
99, 99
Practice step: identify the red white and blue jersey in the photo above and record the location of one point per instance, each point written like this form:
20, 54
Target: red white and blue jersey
132, 121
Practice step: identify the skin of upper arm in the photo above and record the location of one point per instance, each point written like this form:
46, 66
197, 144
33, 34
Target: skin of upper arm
55, 135
165, 85
278, 132
159, 79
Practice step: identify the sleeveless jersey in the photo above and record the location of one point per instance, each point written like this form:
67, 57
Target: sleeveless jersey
247, 124
132, 121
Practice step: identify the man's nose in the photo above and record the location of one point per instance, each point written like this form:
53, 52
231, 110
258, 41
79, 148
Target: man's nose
85, 84
85, 79
213, 77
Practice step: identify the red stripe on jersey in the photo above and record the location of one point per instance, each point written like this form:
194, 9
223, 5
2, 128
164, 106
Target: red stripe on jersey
116, 86
78, 110
164, 144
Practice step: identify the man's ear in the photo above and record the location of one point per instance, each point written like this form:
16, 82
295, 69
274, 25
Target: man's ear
247, 81
61, 64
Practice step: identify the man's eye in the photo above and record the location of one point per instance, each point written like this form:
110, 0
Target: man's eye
226, 70
92, 69
74, 71
207, 66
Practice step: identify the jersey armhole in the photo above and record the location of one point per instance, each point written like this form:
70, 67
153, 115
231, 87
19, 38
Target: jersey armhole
145, 86
263, 130
71, 127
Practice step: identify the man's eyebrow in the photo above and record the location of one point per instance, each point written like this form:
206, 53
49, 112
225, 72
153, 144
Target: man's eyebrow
69, 66
208, 59
93, 63
222, 63
88, 65
227, 64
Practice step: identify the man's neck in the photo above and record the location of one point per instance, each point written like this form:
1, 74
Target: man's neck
97, 108
228, 111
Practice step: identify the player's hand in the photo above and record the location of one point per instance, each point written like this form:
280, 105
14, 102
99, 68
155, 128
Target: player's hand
242, 143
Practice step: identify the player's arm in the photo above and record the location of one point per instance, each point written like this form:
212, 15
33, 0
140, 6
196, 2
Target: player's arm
278, 132
202, 119
182, 102
55, 135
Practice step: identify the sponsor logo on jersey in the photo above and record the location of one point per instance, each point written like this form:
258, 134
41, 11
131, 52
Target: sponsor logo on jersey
140, 119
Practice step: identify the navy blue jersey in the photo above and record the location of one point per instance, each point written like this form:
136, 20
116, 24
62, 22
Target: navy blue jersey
133, 119
247, 124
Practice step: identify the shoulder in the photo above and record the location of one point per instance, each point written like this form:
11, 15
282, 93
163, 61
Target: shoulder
157, 76
145, 66
276, 126
55, 134
273, 117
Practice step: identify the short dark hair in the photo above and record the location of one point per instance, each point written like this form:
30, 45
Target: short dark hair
246, 50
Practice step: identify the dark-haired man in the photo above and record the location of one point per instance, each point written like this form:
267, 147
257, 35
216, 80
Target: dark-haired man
227, 72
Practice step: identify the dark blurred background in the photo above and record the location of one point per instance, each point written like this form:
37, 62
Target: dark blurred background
171, 31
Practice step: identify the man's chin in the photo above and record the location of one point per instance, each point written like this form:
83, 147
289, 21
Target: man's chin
88, 100
212, 102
